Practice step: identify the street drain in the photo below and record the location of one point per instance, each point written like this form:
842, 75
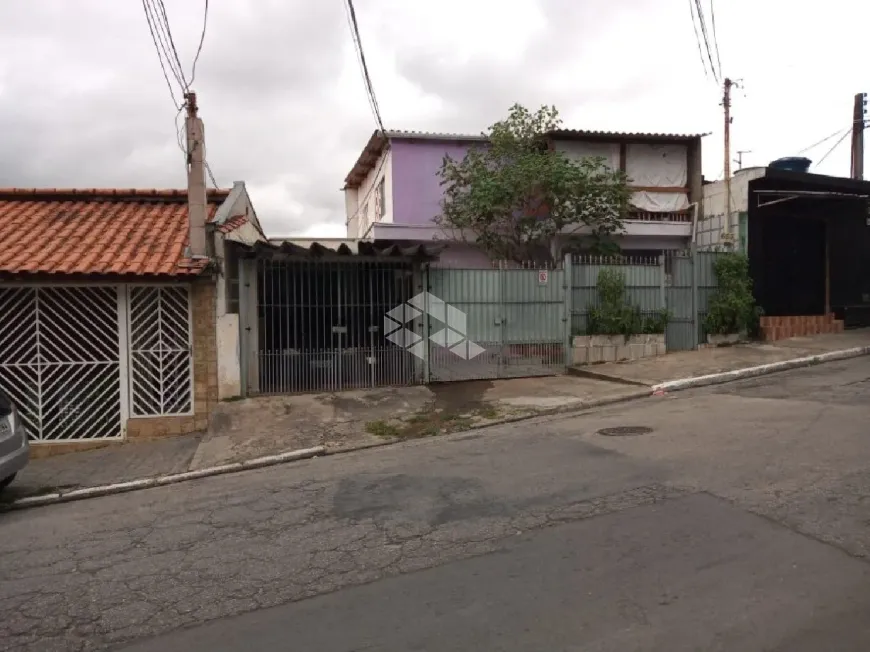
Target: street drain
625, 431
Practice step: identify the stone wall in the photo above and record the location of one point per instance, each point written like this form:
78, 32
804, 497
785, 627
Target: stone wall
205, 371
592, 349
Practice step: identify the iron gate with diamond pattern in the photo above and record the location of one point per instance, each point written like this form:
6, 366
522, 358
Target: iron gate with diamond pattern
60, 360
78, 360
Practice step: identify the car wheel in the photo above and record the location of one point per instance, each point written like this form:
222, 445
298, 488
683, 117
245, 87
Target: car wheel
5, 482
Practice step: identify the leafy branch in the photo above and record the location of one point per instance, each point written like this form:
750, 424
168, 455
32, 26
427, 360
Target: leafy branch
514, 195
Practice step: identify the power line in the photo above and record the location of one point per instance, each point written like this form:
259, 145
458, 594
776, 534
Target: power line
157, 47
168, 31
824, 140
210, 174
702, 21
373, 100
201, 41
698, 38
835, 145
715, 37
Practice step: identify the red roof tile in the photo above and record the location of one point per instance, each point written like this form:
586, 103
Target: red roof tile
97, 231
233, 223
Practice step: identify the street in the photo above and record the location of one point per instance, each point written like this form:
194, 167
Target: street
737, 522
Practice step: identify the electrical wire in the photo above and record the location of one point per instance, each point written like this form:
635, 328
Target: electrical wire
698, 38
702, 22
201, 41
824, 140
210, 175
168, 32
833, 147
715, 37
166, 47
157, 47
367, 80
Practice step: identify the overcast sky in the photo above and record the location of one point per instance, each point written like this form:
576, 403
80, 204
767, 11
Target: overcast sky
83, 102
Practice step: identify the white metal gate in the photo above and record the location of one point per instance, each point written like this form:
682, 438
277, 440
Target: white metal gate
160, 355
60, 360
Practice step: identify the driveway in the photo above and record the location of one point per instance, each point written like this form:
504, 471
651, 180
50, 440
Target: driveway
736, 523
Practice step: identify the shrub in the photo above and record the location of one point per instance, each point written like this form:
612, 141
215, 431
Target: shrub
732, 307
615, 316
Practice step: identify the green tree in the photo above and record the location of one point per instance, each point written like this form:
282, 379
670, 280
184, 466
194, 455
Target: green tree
515, 194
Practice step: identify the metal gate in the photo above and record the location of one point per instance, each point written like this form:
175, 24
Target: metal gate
60, 360
160, 356
496, 323
321, 326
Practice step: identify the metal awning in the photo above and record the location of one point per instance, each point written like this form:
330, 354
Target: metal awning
786, 195
348, 249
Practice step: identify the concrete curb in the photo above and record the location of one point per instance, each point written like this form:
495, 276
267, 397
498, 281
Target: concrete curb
760, 370
160, 481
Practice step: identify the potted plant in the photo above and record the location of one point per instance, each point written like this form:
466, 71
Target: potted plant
617, 330
731, 311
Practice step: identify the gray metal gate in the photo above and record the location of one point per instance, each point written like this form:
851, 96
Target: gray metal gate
495, 323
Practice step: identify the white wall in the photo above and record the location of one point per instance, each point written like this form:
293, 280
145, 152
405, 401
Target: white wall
711, 224
578, 150
360, 202
227, 323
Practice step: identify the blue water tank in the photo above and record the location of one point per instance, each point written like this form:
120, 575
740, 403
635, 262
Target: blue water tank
793, 163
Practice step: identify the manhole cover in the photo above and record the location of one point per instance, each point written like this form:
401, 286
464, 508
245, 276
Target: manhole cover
625, 431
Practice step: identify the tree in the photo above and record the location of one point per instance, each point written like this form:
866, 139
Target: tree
515, 194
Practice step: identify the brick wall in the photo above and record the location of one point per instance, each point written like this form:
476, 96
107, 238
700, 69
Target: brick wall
203, 299
781, 328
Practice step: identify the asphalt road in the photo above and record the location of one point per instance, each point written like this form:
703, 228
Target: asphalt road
739, 523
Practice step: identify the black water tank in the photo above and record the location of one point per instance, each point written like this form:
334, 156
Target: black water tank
793, 163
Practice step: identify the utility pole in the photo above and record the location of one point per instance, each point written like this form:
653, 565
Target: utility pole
859, 110
726, 103
739, 159
196, 195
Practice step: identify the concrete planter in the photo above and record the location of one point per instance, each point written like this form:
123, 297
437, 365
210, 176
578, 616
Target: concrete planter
591, 349
726, 339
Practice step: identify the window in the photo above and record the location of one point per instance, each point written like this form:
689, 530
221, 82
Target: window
381, 199
231, 277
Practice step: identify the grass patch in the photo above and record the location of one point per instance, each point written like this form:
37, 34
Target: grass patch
431, 422
488, 412
382, 429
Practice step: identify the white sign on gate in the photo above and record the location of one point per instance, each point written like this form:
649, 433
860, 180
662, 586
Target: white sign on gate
543, 276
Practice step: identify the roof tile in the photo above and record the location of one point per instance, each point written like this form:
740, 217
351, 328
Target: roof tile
97, 231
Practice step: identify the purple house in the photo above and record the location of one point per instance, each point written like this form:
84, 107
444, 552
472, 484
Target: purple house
393, 192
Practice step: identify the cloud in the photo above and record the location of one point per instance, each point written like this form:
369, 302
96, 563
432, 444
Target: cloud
83, 101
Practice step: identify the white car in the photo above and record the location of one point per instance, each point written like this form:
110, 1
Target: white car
14, 443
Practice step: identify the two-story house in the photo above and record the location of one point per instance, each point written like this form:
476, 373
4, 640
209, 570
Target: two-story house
393, 192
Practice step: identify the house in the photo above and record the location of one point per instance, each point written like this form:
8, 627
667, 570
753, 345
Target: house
119, 309
806, 236
393, 193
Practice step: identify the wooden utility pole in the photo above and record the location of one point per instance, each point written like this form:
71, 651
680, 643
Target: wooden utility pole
726, 103
858, 111
196, 195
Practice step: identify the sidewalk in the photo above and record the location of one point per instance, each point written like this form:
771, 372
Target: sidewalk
252, 428
689, 364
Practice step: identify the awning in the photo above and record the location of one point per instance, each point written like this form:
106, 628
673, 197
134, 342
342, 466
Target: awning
353, 249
